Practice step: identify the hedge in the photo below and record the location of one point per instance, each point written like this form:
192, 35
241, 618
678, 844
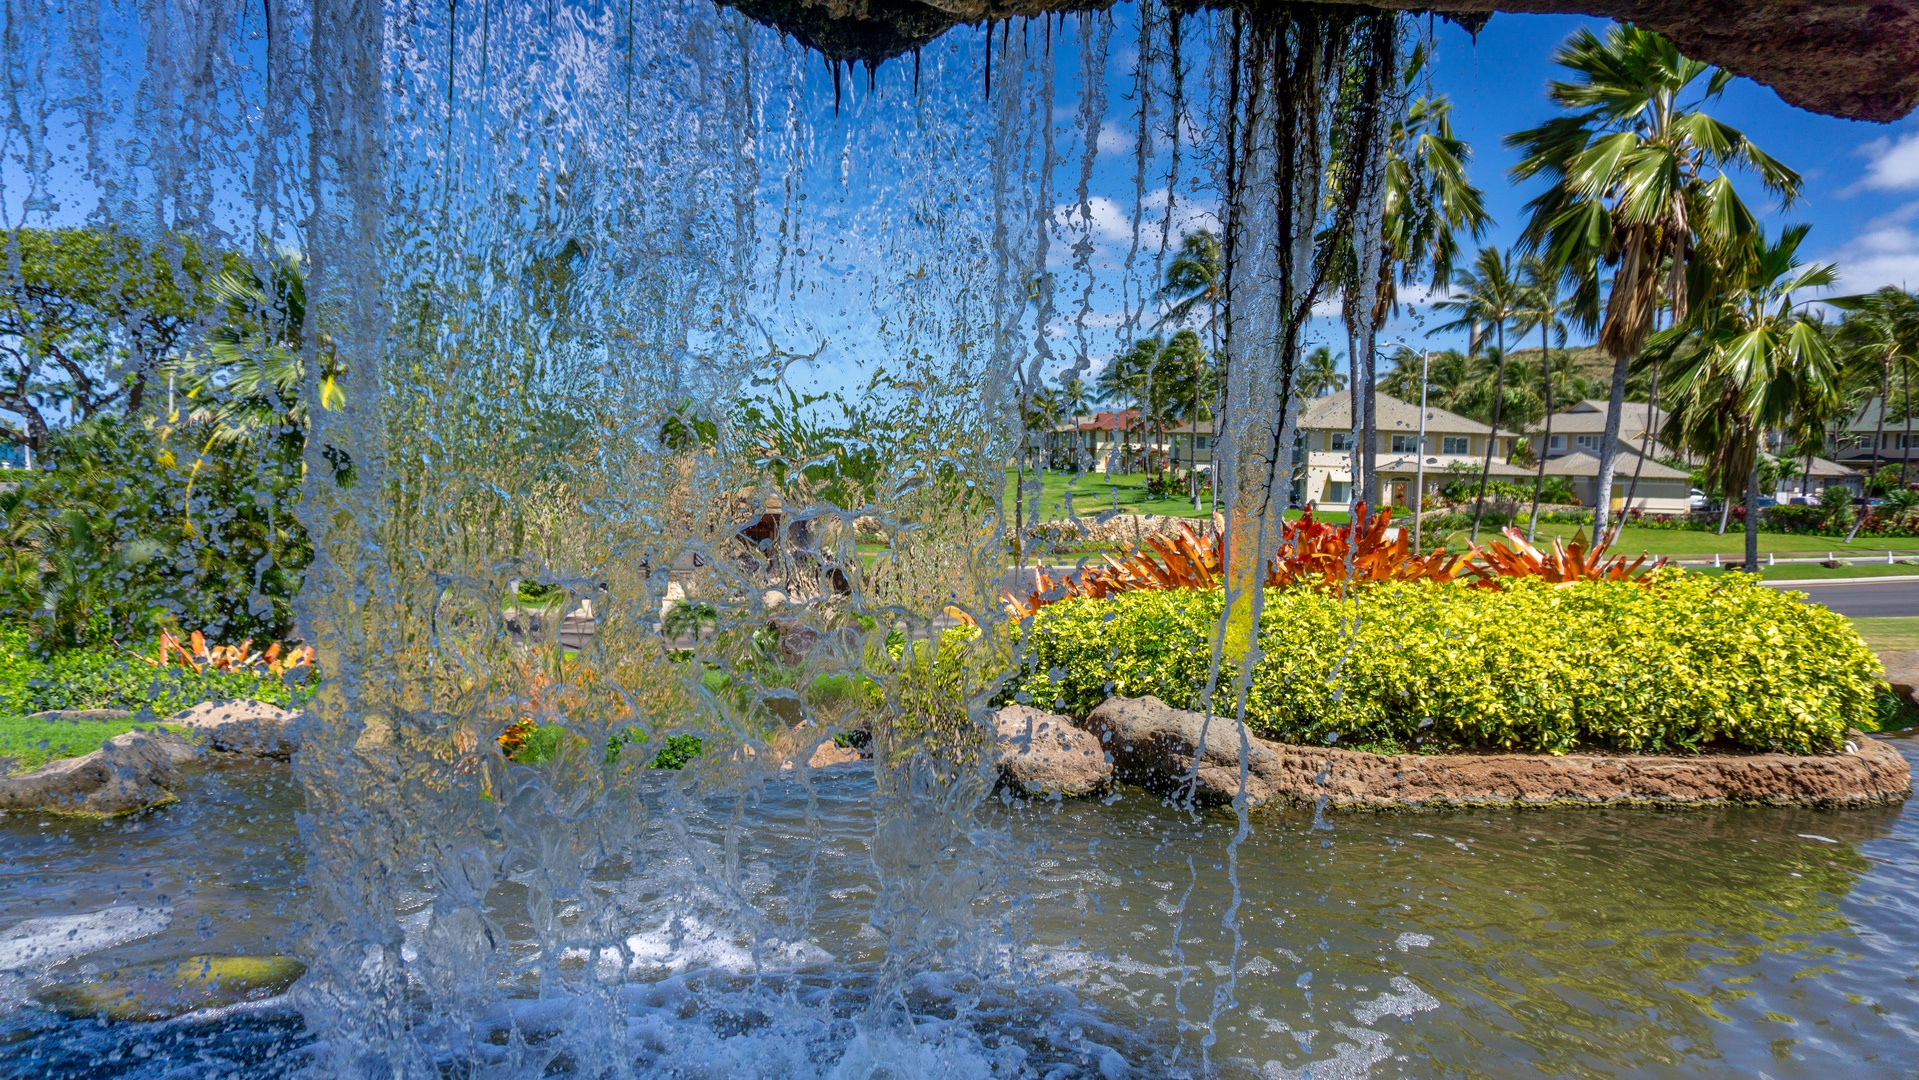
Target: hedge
1687, 663
103, 677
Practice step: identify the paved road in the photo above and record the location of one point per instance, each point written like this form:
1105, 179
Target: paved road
1863, 599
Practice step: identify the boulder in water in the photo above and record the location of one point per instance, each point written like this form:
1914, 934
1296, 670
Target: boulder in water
243, 727
161, 991
1044, 754
129, 772
1158, 747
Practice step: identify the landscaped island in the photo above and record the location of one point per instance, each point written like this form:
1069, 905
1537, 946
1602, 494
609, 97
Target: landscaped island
1492, 677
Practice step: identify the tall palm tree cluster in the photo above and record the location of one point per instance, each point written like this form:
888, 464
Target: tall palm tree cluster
1639, 238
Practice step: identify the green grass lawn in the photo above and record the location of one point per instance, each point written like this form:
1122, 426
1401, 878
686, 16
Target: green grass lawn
1889, 635
1634, 540
32, 743
1095, 493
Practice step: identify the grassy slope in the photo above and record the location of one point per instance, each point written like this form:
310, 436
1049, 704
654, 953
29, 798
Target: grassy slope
32, 743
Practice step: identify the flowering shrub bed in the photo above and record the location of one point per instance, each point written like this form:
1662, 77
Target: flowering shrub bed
1686, 663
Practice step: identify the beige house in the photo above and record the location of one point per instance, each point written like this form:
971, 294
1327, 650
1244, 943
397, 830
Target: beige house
1326, 426
1582, 428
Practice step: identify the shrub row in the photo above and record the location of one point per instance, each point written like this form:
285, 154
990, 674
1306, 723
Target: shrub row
1689, 662
109, 678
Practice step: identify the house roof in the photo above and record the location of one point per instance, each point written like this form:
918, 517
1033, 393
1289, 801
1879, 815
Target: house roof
1589, 418
1820, 467
1867, 418
1334, 412
1105, 420
1583, 464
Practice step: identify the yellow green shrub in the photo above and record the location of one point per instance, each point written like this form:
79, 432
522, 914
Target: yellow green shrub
1688, 662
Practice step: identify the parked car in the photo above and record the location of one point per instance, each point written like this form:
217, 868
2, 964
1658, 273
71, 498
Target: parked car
1699, 500
1767, 501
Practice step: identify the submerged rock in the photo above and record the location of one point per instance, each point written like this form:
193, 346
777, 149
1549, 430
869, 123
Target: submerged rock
161, 991
1044, 754
129, 772
243, 727
1160, 748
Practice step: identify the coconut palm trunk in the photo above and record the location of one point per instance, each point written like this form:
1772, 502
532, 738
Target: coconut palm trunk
1752, 511
1545, 440
1645, 451
1499, 399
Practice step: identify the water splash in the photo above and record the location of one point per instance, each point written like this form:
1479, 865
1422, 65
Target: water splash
579, 281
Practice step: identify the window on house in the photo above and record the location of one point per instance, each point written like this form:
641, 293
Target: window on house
1341, 440
1588, 442
1339, 491
1455, 444
1557, 442
1405, 444
1205, 442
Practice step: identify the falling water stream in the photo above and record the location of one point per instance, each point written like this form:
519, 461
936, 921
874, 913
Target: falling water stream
566, 264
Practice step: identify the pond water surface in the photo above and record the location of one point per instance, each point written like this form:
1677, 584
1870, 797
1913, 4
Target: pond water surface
1723, 942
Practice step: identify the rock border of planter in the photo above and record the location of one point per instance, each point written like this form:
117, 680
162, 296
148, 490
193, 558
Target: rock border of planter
140, 768
1154, 745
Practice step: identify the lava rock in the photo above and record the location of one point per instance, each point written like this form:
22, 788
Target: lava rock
1161, 748
1839, 57
129, 772
243, 727
93, 716
1156, 746
1902, 673
1045, 755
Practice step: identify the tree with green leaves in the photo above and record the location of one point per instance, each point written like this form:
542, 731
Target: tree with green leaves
1748, 359
1543, 307
1880, 333
1637, 180
1486, 299
1319, 374
87, 316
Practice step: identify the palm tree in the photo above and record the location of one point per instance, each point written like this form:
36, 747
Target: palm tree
1195, 276
1628, 168
1881, 332
1427, 198
1543, 308
1746, 362
1319, 374
246, 384
1486, 297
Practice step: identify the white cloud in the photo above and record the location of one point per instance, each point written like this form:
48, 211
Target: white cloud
1886, 252
1114, 140
1894, 164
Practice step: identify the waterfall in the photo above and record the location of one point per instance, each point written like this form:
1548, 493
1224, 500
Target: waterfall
587, 284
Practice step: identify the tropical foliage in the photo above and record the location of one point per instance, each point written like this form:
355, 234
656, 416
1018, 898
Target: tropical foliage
1684, 663
1317, 555
1637, 180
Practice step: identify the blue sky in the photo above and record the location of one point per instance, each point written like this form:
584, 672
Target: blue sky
1861, 192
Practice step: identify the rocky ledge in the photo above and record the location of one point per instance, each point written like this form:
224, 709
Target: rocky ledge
142, 767
1155, 746
128, 772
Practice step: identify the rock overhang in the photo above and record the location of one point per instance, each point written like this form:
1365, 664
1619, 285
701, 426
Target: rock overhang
1857, 59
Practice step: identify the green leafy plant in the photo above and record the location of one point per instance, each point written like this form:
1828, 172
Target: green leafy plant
1688, 663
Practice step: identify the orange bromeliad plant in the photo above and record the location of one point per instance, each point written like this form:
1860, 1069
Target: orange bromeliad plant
1324, 556
1564, 565
196, 654
1313, 552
